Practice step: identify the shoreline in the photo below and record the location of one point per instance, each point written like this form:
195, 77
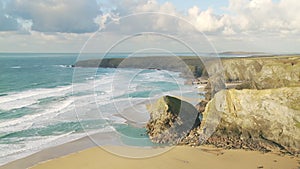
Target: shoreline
84, 153
185, 157
62, 150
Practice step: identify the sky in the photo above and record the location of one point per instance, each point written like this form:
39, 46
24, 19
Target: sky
271, 26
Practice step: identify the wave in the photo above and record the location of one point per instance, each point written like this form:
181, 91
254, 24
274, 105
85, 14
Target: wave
12, 151
64, 66
29, 97
16, 67
28, 120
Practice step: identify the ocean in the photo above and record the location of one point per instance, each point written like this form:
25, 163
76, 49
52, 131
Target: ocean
45, 102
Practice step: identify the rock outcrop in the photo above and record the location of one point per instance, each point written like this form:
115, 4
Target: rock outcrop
253, 119
171, 119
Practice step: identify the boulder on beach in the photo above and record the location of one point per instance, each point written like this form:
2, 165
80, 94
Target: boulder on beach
171, 119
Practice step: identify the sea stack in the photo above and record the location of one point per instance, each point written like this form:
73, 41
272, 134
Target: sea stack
171, 119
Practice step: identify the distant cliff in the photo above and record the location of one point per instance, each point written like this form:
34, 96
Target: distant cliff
254, 72
188, 66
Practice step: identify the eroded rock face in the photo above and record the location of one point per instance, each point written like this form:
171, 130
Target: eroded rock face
254, 119
171, 119
263, 73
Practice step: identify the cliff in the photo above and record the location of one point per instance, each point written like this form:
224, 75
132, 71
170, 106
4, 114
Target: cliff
261, 114
188, 66
263, 72
254, 119
265, 120
253, 73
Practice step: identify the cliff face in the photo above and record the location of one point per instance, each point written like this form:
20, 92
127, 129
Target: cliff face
254, 119
263, 73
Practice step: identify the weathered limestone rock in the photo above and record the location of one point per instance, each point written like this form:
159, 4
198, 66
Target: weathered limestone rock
171, 119
254, 119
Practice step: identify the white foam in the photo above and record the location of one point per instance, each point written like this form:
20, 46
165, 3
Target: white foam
27, 121
64, 66
29, 97
15, 67
32, 145
11, 152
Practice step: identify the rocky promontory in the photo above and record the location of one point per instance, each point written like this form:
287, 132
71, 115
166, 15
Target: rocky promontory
262, 113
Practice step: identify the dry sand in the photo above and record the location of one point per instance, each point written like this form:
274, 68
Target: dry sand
182, 157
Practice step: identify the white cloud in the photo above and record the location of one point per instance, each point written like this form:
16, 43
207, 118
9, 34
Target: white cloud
79, 16
265, 15
72, 16
205, 21
244, 16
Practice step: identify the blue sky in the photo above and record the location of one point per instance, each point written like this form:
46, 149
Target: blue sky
183, 5
223, 25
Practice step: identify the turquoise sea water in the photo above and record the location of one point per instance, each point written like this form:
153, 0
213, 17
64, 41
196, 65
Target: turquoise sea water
20, 72
45, 102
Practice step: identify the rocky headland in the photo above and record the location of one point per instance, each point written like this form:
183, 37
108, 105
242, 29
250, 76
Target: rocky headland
262, 113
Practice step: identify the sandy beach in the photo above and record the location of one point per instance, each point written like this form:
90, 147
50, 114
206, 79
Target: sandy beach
178, 157
183, 157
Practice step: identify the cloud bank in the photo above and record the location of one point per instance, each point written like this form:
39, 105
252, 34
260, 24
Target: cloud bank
249, 21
